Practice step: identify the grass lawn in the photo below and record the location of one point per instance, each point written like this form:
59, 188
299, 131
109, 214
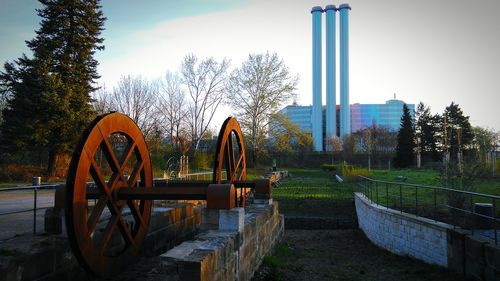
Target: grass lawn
313, 192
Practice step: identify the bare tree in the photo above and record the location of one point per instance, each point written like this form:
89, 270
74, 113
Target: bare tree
137, 97
335, 145
256, 91
369, 142
205, 82
172, 106
100, 100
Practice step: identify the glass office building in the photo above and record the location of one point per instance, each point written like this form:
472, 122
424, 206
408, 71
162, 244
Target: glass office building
386, 115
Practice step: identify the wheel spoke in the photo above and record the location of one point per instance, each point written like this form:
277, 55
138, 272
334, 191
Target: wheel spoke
134, 177
125, 231
136, 212
110, 155
127, 155
117, 219
96, 173
229, 157
108, 233
236, 169
96, 214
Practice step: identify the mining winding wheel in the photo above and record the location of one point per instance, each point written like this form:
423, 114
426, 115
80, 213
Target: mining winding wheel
109, 190
230, 157
113, 154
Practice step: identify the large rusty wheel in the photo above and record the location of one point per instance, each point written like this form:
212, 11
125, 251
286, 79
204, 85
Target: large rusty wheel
106, 233
230, 162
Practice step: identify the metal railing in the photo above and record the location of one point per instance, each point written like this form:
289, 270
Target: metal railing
35, 187
468, 210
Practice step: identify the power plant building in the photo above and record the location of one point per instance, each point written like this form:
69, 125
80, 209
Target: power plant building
330, 115
362, 116
341, 120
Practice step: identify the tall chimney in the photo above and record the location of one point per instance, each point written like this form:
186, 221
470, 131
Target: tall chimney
317, 122
345, 112
331, 103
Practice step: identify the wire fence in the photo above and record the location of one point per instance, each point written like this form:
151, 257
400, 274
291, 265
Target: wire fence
472, 211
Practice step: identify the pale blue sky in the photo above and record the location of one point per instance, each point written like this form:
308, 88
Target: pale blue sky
431, 51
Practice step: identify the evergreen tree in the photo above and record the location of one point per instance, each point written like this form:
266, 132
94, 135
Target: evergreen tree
405, 146
458, 134
427, 129
49, 105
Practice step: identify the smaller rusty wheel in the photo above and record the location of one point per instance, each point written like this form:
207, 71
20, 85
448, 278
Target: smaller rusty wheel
230, 158
106, 233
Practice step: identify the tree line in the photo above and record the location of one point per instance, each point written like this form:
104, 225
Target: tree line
441, 137
47, 99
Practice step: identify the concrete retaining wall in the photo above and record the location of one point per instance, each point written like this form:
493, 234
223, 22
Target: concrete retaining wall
472, 256
402, 233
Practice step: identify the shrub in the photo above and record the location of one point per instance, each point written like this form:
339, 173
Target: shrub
462, 179
202, 161
349, 172
19, 173
329, 167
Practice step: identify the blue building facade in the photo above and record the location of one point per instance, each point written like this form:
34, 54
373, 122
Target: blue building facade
362, 116
386, 115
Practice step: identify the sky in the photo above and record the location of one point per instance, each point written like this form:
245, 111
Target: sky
436, 52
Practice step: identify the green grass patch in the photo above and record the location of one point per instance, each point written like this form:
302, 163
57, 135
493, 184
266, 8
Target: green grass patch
415, 176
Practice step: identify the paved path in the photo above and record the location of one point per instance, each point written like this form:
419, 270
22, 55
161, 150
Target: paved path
22, 222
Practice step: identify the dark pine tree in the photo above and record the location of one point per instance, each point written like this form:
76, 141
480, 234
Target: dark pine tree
458, 131
48, 104
427, 130
406, 136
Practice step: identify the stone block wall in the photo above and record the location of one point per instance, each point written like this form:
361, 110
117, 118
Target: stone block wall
473, 256
220, 255
402, 233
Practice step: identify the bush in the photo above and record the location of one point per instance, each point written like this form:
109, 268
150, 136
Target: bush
329, 167
202, 161
19, 173
349, 172
462, 179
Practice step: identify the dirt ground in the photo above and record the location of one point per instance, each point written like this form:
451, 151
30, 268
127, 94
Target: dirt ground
341, 255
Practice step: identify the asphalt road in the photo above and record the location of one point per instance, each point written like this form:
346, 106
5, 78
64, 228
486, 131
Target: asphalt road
22, 222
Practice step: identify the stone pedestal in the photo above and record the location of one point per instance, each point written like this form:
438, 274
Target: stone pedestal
229, 220
232, 220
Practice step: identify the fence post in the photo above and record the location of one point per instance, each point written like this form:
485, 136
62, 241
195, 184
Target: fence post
371, 191
494, 220
387, 194
400, 198
376, 191
36, 183
473, 215
435, 205
416, 201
